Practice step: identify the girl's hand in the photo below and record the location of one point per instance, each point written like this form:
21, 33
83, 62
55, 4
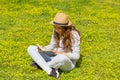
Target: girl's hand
59, 52
40, 48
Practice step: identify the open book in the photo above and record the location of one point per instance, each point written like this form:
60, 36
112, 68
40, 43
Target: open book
41, 50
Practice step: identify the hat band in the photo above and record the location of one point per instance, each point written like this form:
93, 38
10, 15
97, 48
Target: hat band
60, 23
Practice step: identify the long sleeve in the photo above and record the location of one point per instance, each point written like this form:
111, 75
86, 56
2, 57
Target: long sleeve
52, 44
75, 54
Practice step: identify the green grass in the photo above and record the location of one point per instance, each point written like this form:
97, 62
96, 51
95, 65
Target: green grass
26, 22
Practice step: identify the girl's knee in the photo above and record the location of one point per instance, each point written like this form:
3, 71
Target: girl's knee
31, 48
61, 58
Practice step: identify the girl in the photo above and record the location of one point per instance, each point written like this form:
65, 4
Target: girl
64, 47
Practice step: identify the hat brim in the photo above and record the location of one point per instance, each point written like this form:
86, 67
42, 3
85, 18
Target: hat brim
69, 24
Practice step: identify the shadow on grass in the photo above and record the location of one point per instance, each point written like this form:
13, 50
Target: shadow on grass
78, 64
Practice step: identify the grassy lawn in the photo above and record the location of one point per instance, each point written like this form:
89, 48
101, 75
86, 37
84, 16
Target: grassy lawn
26, 22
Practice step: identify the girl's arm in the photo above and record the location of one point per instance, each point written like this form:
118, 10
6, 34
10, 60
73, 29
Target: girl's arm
51, 45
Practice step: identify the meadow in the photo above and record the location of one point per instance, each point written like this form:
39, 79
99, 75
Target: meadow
26, 22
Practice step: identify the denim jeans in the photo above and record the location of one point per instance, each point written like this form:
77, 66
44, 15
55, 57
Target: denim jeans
47, 60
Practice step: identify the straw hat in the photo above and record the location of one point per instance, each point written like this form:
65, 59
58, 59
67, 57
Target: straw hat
61, 20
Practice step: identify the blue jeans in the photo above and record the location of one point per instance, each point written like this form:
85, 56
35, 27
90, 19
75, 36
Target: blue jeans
47, 60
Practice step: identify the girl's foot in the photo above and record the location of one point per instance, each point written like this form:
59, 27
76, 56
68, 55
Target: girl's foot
54, 73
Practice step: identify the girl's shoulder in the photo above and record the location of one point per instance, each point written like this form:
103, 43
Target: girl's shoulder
75, 33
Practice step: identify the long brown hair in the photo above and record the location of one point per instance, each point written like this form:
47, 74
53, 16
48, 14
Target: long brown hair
67, 37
